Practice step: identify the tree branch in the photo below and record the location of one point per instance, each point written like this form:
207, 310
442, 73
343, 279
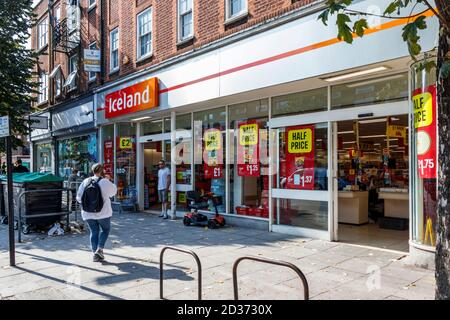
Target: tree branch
438, 15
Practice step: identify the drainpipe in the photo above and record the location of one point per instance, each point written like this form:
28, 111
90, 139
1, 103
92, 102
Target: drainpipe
102, 43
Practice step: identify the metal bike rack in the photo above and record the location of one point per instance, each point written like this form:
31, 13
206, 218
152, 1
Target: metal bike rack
269, 261
161, 270
19, 201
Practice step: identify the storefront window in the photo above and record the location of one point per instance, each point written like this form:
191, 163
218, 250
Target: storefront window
78, 153
183, 156
302, 213
108, 149
302, 102
209, 154
303, 157
424, 156
152, 127
381, 90
43, 161
126, 163
167, 125
249, 166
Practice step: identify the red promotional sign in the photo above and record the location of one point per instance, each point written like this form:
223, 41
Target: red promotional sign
108, 157
300, 157
213, 172
424, 101
248, 149
141, 96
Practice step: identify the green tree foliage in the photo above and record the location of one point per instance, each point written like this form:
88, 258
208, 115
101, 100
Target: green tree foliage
348, 27
16, 65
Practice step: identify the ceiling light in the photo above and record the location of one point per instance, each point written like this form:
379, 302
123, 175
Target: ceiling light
141, 118
349, 142
374, 136
360, 84
345, 132
372, 121
355, 74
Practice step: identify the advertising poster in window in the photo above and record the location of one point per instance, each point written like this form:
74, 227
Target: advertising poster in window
424, 102
300, 157
108, 157
213, 154
248, 149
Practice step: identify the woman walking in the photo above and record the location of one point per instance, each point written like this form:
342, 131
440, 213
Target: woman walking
94, 196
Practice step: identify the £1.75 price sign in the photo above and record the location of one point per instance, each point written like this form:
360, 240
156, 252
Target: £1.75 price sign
424, 102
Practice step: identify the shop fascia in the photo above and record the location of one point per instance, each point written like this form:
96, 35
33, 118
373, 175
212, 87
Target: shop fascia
141, 96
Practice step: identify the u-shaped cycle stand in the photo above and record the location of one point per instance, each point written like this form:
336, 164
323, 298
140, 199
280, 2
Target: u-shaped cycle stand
161, 270
269, 261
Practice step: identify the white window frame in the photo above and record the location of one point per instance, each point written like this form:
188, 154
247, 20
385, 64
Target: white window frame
231, 18
111, 51
92, 4
92, 76
139, 36
58, 84
180, 21
43, 87
73, 69
73, 16
42, 33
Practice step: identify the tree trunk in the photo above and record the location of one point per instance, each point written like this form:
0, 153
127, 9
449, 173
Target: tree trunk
443, 215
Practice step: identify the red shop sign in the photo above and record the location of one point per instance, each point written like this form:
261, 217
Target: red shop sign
141, 96
424, 101
300, 157
248, 149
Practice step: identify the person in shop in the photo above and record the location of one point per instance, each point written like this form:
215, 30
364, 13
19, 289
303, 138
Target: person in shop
163, 187
100, 191
19, 167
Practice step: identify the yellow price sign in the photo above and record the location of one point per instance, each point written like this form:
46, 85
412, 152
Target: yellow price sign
182, 197
248, 134
213, 140
125, 143
423, 109
396, 131
300, 141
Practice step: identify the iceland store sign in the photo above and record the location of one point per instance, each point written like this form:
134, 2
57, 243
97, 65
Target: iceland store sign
138, 97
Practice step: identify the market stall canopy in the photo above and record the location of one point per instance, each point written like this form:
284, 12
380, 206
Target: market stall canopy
33, 177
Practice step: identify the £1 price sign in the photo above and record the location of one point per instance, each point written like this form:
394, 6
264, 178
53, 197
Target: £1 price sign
424, 102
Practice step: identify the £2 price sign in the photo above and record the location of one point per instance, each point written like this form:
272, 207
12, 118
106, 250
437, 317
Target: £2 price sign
300, 157
424, 101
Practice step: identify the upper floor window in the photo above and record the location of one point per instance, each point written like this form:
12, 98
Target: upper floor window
42, 30
43, 87
235, 8
73, 15
73, 68
114, 50
92, 4
185, 19
92, 75
57, 14
144, 34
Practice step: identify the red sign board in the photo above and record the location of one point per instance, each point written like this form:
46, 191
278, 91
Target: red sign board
213, 172
248, 149
300, 157
138, 97
108, 157
424, 102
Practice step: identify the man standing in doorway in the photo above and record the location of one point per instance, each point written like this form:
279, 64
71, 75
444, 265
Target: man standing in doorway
163, 187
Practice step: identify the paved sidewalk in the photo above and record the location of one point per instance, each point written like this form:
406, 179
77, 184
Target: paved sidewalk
62, 267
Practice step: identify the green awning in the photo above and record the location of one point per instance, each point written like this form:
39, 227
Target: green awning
33, 177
